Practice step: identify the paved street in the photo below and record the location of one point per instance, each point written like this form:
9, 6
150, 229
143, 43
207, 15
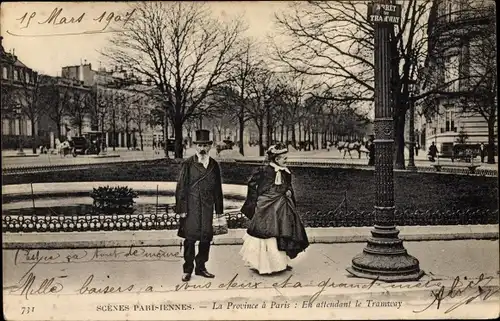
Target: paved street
333, 156
87, 282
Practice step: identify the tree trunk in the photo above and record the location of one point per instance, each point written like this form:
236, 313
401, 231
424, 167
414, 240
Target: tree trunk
140, 136
59, 129
114, 131
80, 128
260, 127
491, 140
178, 139
241, 129
294, 139
165, 133
300, 132
399, 140
33, 135
127, 135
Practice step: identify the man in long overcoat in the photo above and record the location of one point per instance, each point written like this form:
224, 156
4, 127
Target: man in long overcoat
198, 192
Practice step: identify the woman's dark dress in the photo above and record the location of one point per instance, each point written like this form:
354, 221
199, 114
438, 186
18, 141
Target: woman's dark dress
273, 213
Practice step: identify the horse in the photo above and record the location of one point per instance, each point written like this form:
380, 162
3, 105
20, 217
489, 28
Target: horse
347, 147
64, 148
365, 149
224, 145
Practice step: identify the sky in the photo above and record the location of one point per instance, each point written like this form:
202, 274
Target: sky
46, 46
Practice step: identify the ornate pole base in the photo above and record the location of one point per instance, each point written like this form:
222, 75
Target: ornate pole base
385, 259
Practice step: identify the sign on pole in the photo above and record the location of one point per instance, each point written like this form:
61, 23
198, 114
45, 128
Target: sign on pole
384, 13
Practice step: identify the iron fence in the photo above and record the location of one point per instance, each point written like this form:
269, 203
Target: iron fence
447, 168
170, 221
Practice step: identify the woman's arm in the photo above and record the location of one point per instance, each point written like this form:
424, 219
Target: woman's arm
248, 208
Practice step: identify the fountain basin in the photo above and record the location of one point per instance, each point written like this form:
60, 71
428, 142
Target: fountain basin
68, 207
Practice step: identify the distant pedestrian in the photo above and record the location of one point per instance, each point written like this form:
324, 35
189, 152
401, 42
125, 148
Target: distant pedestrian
433, 152
482, 152
276, 232
371, 151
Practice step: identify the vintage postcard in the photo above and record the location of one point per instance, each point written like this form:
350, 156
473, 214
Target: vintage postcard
258, 160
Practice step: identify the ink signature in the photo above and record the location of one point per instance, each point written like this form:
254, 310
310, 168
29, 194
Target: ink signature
467, 290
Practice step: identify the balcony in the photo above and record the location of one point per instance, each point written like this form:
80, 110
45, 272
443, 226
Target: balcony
465, 18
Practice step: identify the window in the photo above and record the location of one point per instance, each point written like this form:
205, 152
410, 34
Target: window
450, 121
482, 62
453, 9
451, 72
16, 74
27, 77
4, 73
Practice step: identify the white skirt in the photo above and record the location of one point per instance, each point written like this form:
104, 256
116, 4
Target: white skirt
263, 255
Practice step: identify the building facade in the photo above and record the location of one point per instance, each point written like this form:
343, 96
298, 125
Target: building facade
17, 81
458, 26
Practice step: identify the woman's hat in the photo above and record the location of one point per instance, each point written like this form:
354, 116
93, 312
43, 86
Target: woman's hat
202, 137
277, 149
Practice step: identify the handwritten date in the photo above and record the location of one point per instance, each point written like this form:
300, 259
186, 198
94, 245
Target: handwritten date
57, 18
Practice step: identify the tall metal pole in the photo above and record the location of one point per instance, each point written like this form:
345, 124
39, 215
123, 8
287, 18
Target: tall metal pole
411, 161
20, 151
384, 257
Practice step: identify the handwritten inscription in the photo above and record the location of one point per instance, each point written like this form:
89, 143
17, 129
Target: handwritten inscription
83, 256
101, 22
465, 290
445, 294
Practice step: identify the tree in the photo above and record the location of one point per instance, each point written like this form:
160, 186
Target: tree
140, 112
482, 84
100, 102
332, 42
265, 90
294, 94
79, 109
225, 111
57, 97
29, 98
243, 68
182, 49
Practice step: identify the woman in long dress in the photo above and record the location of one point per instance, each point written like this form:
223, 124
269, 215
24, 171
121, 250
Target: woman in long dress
276, 233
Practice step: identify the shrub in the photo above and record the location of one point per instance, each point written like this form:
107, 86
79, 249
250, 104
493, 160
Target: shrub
120, 197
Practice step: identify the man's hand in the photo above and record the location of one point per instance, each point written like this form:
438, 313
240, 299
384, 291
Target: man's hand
289, 193
182, 215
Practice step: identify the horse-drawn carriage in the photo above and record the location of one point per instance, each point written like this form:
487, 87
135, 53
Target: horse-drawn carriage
85, 146
89, 144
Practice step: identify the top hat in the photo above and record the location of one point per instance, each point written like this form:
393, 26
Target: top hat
202, 137
277, 149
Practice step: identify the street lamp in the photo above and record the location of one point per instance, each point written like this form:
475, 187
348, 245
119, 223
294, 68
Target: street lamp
384, 258
20, 151
412, 89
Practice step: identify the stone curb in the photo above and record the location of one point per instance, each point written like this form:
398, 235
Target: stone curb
20, 156
234, 237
